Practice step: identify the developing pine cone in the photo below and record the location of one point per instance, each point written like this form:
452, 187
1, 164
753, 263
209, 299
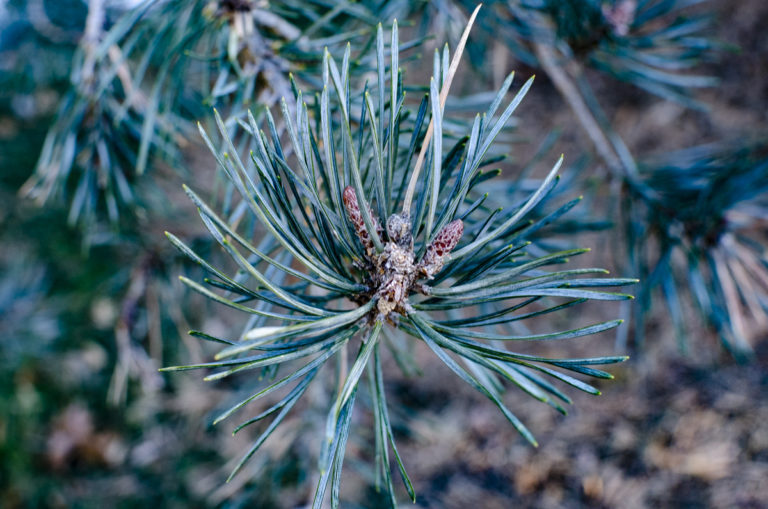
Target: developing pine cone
356, 218
438, 250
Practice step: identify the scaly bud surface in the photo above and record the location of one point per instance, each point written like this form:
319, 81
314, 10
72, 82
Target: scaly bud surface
441, 246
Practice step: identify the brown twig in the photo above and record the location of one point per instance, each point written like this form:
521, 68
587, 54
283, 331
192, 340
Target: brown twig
570, 93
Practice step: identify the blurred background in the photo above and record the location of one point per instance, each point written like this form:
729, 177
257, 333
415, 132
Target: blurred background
661, 108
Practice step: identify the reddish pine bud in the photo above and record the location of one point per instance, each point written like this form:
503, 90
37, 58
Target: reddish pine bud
443, 244
356, 218
448, 237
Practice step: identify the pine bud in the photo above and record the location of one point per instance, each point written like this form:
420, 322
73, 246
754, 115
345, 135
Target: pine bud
438, 250
356, 218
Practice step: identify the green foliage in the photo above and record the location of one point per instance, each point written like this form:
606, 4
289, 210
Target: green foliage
330, 274
656, 48
695, 222
137, 86
652, 44
35, 50
28, 325
298, 263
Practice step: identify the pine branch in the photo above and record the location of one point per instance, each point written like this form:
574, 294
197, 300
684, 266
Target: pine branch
321, 196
